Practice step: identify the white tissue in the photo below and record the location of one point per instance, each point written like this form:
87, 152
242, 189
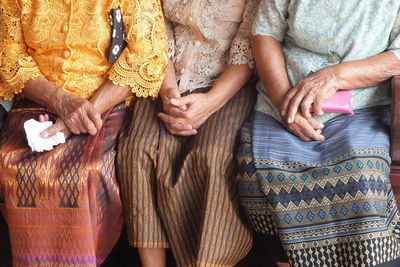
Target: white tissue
33, 129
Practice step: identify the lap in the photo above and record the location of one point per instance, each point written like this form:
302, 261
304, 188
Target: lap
364, 133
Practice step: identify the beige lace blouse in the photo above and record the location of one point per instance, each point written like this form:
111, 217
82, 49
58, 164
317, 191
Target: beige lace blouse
207, 35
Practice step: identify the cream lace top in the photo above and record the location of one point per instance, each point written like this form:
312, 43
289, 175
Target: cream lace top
207, 35
67, 42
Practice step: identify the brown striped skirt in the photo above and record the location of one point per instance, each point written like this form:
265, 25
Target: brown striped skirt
62, 206
179, 192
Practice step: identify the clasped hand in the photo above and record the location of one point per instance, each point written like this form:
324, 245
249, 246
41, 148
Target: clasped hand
183, 115
295, 107
76, 115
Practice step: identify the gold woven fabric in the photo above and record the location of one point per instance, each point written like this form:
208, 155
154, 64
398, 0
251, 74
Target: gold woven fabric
67, 41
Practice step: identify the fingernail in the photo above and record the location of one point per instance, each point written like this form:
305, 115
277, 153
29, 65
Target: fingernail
44, 135
290, 120
321, 125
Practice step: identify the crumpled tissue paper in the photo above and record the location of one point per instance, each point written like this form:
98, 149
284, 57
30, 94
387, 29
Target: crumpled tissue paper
33, 129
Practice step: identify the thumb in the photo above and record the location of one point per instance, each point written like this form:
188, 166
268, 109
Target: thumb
53, 130
173, 93
315, 123
170, 93
183, 101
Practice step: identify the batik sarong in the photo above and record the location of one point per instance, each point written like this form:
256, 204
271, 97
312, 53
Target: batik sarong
329, 202
62, 207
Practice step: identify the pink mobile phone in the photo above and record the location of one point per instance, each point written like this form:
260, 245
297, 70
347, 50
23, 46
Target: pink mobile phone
340, 102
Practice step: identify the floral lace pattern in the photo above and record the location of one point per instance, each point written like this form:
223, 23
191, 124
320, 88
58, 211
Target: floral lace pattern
67, 42
205, 36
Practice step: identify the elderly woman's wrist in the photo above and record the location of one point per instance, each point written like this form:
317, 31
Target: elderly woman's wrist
336, 75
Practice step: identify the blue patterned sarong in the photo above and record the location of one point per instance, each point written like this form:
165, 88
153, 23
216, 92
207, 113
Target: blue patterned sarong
330, 202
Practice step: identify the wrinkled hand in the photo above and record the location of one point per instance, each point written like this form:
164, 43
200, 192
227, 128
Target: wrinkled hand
166, 96
307, 129
197, 111
78, 115
176, 123
313, 90
59, 126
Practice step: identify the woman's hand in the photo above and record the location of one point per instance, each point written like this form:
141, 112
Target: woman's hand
166, 95
174, 116
197, 111
313, 90
78, 115
307, 129
59, 126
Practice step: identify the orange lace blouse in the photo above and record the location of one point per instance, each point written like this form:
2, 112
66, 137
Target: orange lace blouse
67, 42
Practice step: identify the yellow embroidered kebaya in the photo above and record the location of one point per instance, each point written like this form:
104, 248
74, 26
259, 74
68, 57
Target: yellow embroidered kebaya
67, 42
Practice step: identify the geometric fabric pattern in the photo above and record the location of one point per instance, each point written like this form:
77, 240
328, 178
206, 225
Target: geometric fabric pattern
338, 214
62, 206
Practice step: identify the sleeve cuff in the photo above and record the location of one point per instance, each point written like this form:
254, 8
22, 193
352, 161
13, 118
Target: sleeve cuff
257, 31
145, 79
396, 52
14, 85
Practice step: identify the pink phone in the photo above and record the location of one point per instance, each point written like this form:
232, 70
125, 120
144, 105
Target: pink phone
338, 103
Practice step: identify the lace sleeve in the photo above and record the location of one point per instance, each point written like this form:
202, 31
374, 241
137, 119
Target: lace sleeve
142, 64
241, 48
16, 66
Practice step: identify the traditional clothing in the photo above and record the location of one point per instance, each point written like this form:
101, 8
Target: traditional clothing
179, 191
62, 207
329, 202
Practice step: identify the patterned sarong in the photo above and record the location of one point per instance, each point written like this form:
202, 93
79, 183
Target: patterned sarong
62, 207
180, 191
330, 202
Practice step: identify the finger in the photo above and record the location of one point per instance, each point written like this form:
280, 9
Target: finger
305, 106
184, 107
53, 130
315, 123
311, 133
294, 106
299, 134
89, 125
178, 102
41, 118
44, 117
176, 112
75, 125
172, 93
95, 117
286, 100
187, 133
318, 103
174, 131
169, 119
180, 126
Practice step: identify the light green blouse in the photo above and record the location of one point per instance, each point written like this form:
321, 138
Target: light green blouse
320, 33
7, 104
